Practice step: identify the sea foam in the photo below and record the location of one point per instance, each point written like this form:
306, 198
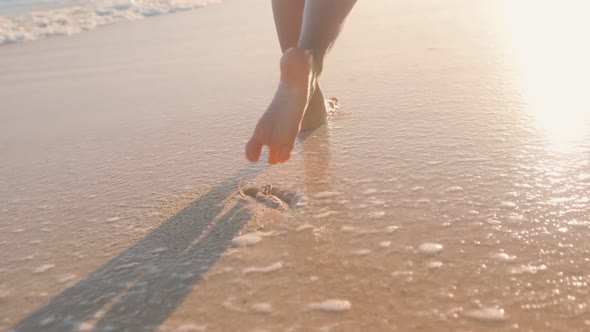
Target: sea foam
75, 19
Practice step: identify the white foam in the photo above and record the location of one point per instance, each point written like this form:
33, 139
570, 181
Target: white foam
502, 256
370, 191
385, 244
528, 268
430, 249
304, 227
264, 269
515, 217
490, 314
262, 307
325, 214
347, 228
75, 19
377, 214
113, 219
434, 265
332, 305
453, 189
44, 268
508, 204
362, 252
327, 194
85, 327
191, 327
402, 273
299, 201
391, 229
578, 223
66, 278
47, 321
250, 238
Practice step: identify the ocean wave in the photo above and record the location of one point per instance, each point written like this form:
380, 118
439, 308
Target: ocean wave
76, 19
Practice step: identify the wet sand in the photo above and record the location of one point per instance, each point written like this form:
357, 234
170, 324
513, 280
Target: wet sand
450, 192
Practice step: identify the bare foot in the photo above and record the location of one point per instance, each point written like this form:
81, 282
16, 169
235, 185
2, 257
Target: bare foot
316, 112
279, 125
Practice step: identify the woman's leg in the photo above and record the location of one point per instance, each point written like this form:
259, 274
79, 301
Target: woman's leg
300, 68
288, 15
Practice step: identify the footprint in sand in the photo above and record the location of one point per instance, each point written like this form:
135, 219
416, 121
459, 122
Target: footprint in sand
273, 197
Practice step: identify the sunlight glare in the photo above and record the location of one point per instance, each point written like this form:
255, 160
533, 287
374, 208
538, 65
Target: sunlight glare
552, 53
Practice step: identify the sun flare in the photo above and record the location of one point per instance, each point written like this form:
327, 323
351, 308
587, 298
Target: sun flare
553, 61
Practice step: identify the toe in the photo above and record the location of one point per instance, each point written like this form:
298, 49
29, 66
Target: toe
273, 155
285, 153
253, 149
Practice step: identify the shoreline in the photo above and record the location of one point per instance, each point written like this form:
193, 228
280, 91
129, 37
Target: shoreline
71, 20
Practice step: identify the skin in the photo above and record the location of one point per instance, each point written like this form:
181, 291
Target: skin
307, 29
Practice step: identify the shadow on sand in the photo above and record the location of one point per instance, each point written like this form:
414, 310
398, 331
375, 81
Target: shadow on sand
141, 287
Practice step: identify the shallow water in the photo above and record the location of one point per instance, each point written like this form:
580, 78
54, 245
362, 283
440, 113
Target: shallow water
450, 192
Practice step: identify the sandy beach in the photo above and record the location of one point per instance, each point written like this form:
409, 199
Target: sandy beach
450, 191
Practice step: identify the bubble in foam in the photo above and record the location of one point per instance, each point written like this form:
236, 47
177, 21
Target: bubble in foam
46, 321
385, 244
528, 268
262, 307
377, 202
332, 305
43, 268
362, 252
191, 327
430, 249
515, 217
66, 278
454, 189
249, 239
391, 229
370, 191
417, 188
377, 214
402, 273
578, 223
325, 214
327, 194
304, 227
434, 265
508, 204
490, 314
299, 200
502, 256
86, 327
264, 269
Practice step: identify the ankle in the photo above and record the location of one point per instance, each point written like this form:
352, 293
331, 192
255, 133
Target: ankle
297, 66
